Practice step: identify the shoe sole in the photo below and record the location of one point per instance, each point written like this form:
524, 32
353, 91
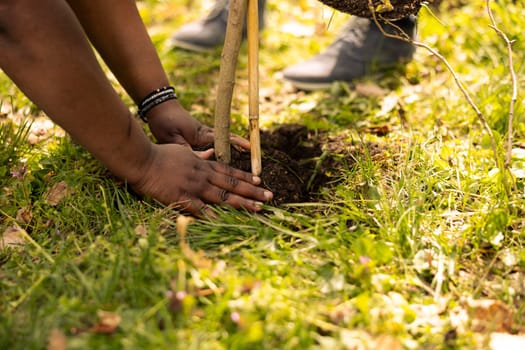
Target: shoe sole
309, 86
190, 46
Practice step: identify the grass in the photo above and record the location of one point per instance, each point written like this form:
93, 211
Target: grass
396, 256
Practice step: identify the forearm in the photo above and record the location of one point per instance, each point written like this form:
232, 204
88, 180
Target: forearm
45, 53
118, 33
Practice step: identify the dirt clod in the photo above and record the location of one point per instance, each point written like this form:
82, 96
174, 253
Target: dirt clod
295, 163
390, 10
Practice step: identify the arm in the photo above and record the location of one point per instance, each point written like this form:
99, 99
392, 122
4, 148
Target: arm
44, 51
117, 32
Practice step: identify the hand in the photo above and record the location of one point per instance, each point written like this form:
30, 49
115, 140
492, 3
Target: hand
171, 123
177, 175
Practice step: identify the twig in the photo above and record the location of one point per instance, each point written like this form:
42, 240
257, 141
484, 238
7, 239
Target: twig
253, 80
230, 53
403, 36
510, 131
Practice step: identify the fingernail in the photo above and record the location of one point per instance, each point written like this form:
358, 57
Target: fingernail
268, 195
258, 205
256, 180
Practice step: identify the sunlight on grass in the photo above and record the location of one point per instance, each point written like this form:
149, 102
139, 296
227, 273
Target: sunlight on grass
414, 243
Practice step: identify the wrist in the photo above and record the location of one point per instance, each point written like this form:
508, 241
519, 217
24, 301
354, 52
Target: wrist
154, 99
169, 109
130, 156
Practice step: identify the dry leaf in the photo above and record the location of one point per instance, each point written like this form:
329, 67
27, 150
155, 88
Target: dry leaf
141, 230
490, 315
356, 340
380, 130
107, 322
57, 340
13, 236
24, 215
504, 341
56, 193
370, 89
387, 342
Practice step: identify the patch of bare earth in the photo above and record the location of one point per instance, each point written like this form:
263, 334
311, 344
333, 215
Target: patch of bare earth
298, 162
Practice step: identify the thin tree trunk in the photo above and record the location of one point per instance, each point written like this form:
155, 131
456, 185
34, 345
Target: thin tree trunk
230, 53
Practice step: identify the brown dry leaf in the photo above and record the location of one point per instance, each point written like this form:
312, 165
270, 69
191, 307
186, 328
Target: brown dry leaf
13, 236
504, 341
489, 315
57, 340
24, 215
107, 322
56, 193
141, 230
380, 130
369, 89
387, 342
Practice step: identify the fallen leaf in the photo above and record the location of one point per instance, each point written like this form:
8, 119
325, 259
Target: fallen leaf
380, 130
356, 340
57, 340
370, 89
490, 315
24, 215
13, 236
387, 342
107, 322
510, 257
141, 230
504, 341
388, 104
56, 193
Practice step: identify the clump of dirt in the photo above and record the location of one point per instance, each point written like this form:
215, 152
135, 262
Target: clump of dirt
390, 10
298, 162
289, 155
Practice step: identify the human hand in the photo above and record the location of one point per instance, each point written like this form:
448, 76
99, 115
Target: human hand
175, 175
171, 123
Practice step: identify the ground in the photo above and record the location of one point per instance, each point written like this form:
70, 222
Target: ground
403, 229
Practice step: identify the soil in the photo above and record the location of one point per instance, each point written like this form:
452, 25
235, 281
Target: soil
298, 162
360, 8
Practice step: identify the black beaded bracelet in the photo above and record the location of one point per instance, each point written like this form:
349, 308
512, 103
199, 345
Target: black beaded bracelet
154, 99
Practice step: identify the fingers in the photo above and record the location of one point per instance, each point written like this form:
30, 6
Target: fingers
196, 207
239, 141
239, 183
205, 154
178, 176
206, 137
222, 196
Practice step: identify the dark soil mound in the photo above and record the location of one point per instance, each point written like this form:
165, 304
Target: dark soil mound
387, 9
296, 162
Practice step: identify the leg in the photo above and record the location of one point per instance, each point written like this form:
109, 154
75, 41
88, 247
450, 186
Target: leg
208, 33
360, 48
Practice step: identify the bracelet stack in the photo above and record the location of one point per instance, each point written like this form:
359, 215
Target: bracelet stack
154, 99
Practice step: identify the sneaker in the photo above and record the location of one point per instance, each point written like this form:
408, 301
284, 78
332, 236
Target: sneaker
360, 49
207, 34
